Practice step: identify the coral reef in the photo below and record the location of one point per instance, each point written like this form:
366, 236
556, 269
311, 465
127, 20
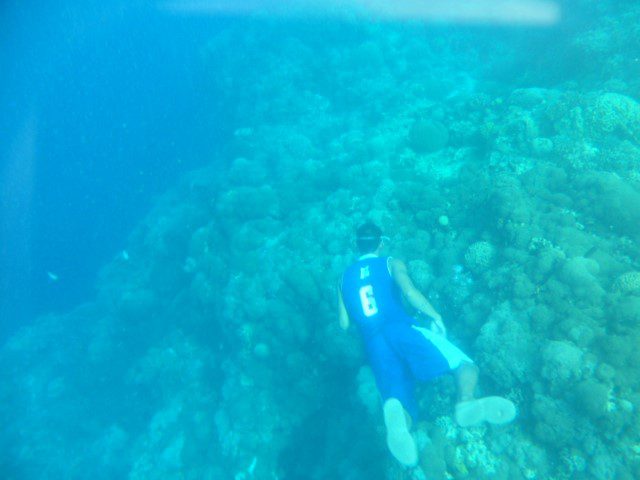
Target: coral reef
479, 256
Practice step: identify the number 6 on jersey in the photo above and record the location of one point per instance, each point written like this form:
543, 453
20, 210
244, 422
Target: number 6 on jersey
368, 301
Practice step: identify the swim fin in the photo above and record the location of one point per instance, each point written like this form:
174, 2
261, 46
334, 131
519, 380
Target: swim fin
495, 410
399, 439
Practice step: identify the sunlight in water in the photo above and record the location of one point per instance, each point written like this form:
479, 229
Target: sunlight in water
518, 12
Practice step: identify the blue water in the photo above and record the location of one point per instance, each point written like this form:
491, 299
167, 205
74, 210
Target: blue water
111, 101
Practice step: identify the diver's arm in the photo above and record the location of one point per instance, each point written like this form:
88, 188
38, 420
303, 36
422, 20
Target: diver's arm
342, 312
416, 299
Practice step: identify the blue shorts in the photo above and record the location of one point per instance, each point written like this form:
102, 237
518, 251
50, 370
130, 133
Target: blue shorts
401, 354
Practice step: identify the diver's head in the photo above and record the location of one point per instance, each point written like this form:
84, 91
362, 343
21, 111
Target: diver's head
369, 238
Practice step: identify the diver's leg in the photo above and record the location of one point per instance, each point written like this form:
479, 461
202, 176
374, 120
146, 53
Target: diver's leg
399, 407
396, 389
466, 379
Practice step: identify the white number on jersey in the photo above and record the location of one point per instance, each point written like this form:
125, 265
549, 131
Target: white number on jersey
368, 301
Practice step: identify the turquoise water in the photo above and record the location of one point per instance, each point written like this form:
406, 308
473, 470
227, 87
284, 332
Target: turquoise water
498, 152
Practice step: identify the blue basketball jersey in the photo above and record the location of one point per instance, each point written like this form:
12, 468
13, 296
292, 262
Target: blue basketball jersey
371, 296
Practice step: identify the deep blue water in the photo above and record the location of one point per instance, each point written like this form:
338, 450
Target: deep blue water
101, 107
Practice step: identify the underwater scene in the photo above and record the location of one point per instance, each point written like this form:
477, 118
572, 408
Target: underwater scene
496, 147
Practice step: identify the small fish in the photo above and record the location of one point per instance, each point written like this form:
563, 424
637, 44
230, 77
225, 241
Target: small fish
125, 255
53, 277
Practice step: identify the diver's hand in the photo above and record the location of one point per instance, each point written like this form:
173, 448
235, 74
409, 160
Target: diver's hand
437, 325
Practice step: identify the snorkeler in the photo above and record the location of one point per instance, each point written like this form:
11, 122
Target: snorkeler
400, 351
